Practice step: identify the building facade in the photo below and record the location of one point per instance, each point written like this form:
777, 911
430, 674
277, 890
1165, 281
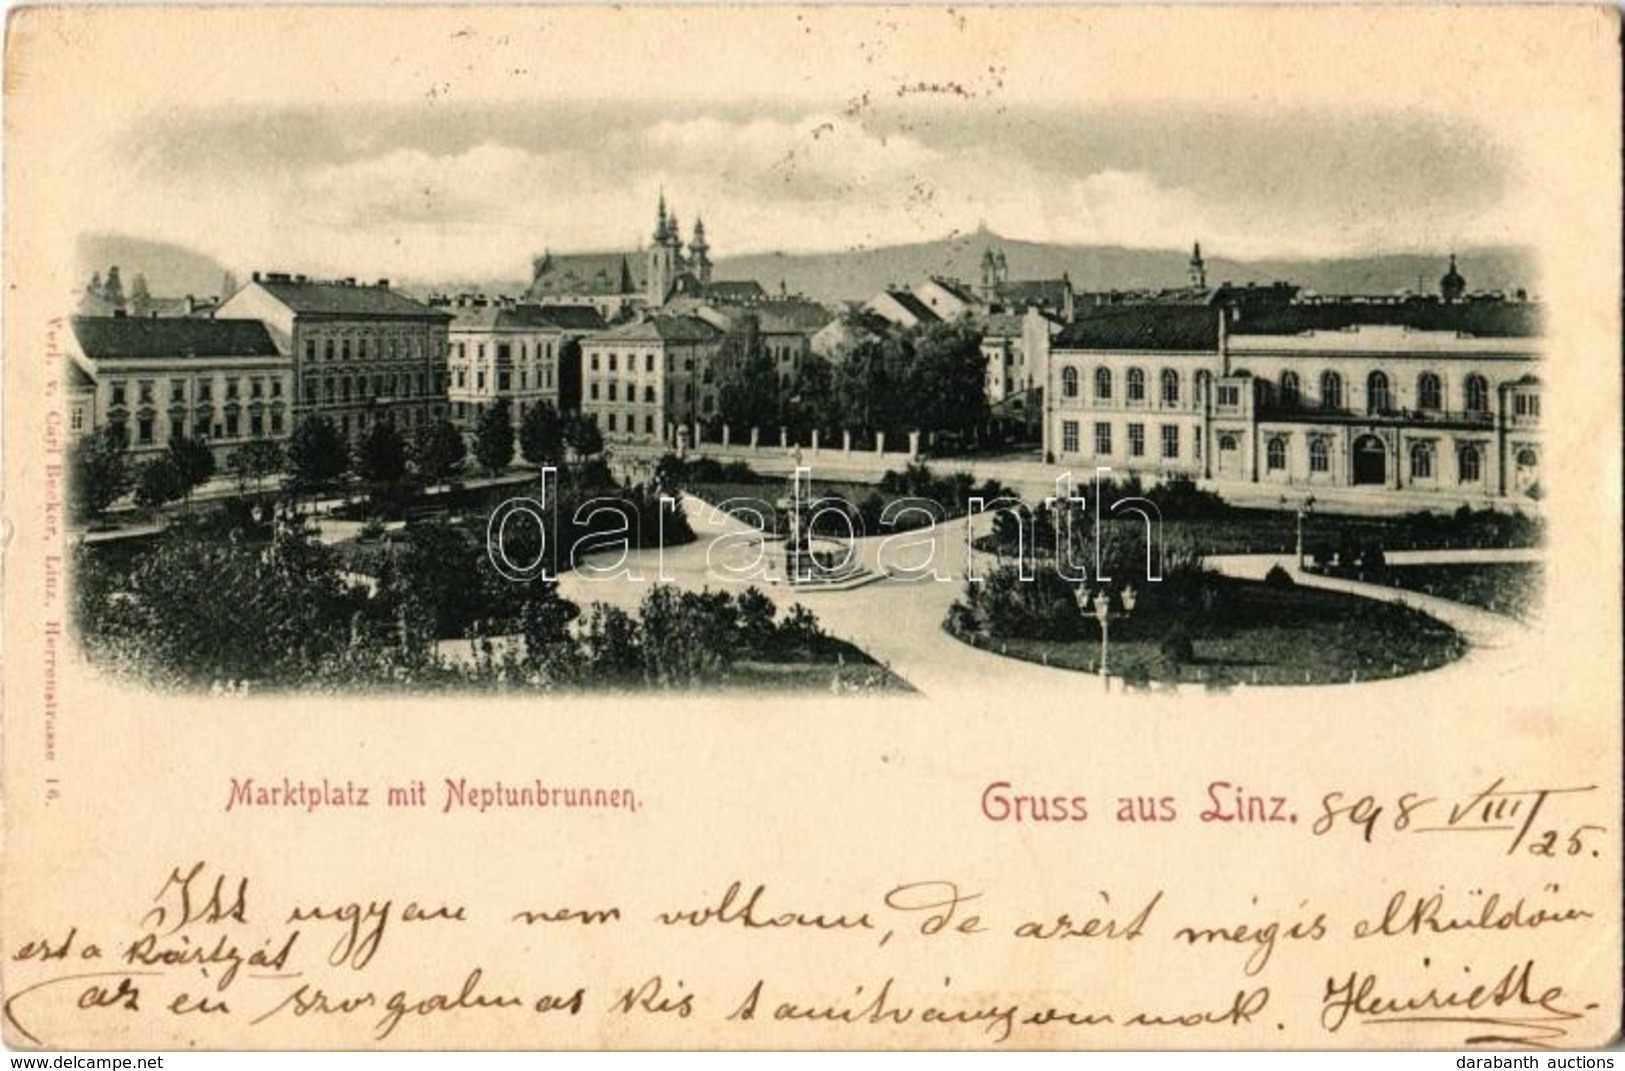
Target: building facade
518, 353
362, 353
224, 382
653, 380
1352, 400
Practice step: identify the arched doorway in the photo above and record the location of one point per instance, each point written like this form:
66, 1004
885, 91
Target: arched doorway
1229, 456
1370, 460
1526, 471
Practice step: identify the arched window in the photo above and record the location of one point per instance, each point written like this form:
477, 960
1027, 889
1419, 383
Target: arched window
1069, 382
1422, 461
1477, 392
1290, 390
1331, 390
1275, 455
1376, 393
1103, 384
1136, 385
1204, 387
1170, 387
1469, 464
1319, 456
1427, 392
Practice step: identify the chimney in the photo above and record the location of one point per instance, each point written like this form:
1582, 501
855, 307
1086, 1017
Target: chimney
119, 314
256, 277
349, 280
301, 279
383, 284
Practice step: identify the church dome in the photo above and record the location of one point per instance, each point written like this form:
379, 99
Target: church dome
1452, 285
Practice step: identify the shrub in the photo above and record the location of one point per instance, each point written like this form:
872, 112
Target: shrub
1278, 577
1177, 647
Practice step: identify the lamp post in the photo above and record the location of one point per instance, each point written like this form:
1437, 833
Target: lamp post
1099, 606
1305, 506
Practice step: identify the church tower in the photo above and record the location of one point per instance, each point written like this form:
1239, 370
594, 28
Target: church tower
995, 273
1198, 268
662, 257
699, 252
1452, 286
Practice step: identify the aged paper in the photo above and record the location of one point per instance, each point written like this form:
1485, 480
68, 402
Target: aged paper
1007, 855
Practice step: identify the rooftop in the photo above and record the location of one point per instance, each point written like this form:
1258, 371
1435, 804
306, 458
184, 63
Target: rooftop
663, 329
342, 297
113, 337
1186, 328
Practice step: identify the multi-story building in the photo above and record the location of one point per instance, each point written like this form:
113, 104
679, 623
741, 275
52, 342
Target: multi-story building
501, 350
1434, 397
652, 380
222, 381
361, 352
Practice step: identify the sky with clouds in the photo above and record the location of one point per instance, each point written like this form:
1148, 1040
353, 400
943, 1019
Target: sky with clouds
445, 185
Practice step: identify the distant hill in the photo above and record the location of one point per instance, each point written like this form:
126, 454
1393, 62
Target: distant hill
171, 270
861, 273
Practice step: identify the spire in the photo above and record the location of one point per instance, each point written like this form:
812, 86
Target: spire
673, 229
662, 230
698, 243
1198, 269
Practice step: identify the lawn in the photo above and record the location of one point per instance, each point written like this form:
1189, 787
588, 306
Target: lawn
1259, 635
1512, 588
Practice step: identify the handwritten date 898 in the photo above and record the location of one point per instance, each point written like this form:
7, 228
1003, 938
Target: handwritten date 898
1521, 819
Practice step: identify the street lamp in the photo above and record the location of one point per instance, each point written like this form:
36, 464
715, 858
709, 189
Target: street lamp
1305, 506
1099, 606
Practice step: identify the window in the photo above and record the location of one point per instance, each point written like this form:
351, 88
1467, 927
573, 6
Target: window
1069, 436
1422, 461
1103, 438
1170, 440
1376, 393
504, 352
1526, 406
177, 390
327, 350
1319, 456
479, 380
232, 389
1229, 395
327, 389
310, 349
205, 391
1275, 455
595, 362
612, 422
649, 395
1069, 382
504, 381
344, 389
1427, 391
612, 362
649, 363
1204, 386
276, 388
145, 392
1136, 439
310, 391
118, 394
256, 425
361, 349
344, 350
143, 432
1136, 385
1103, 384
1477, 391
276, 422
592, 392
1290, 391
1170, 387
256, 387
231, 425
612, 390
648, 425
78, 423
1469, 464
1331, 390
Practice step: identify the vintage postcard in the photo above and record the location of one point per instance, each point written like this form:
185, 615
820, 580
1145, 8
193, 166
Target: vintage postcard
783, 527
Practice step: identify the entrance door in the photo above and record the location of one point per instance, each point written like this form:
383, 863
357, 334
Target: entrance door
1370, 460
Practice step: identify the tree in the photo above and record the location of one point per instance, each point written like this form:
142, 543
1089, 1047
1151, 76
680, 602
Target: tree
160, 482
254, 460
139, 292
98, 472
315, 455
748, 384
193, 461
582, 436
541, 435
438, 451
380, 456
95, 288
493, 438
947, 379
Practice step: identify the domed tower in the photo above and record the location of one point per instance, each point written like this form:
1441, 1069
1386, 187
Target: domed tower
1198, 268
662, 257
1452, 286
699, 252
994, 273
